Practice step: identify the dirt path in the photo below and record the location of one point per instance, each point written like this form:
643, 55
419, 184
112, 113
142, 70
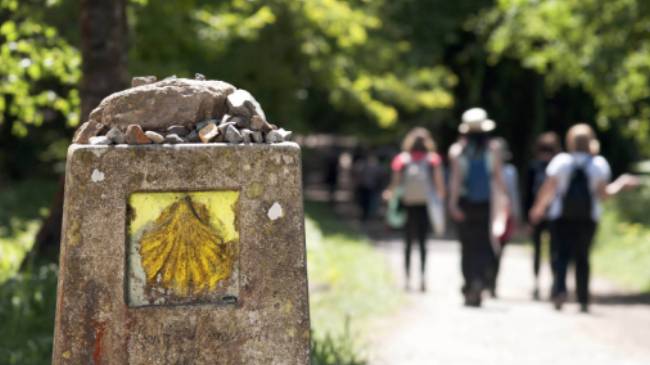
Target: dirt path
434, 328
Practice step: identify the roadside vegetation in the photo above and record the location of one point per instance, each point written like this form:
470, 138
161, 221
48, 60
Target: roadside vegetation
622, 251
350, 285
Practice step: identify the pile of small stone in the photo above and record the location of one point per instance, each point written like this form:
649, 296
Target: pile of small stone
242, 121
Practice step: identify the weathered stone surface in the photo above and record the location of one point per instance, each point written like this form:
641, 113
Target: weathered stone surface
174, 138
242, 103
209, 132
155, 137
100, 140
278, 135
164, 103
97, 320
179, 130
89, 129
135, 135
143, 80
116, 135
232, 135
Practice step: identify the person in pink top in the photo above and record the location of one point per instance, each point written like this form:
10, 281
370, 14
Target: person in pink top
417, 172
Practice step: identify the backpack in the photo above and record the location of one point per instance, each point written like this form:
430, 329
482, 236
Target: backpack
477, 184
577, 201
416, 181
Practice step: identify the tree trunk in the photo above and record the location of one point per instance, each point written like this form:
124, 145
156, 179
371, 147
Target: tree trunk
104, 51
104, 66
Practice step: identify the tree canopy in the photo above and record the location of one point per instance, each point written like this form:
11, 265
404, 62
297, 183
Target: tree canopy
599, 46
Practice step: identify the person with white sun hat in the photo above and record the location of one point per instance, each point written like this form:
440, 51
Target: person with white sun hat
476, 174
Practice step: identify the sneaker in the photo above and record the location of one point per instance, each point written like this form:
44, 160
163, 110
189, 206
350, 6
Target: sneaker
473, 295
559, 300
536, 294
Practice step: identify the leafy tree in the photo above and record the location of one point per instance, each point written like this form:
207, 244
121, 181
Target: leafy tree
39, 72
300, 58
39, 69
599, 46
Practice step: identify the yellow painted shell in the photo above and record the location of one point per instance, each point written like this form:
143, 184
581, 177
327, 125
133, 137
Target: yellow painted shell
182, 252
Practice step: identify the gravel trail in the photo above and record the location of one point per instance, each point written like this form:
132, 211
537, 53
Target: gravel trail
435, 328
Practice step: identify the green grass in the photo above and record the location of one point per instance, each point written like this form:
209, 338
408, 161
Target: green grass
350, 283
622, 251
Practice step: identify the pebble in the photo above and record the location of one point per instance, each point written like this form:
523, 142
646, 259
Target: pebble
89, 129
202, 124
257, 137
209, 132
155, 137
232, 135
115, 135
198, 76
257, 123
100, 140
178, 130
278, 135
193, 137
143, 80
241, 122
173, 138
224, 126
247, 135
135, 135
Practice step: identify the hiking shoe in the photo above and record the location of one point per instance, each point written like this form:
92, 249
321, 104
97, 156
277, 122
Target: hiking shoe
536, 294
559, 300
473, 295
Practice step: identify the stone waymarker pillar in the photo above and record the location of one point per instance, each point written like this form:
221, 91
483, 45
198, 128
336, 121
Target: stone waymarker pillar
183, 254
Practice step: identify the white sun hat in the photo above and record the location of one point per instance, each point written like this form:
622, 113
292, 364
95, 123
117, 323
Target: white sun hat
476, 120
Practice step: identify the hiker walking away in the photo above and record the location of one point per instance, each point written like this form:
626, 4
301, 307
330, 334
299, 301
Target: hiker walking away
510, 209
367, 179
416, 174
546, 147
577, 181
476, 171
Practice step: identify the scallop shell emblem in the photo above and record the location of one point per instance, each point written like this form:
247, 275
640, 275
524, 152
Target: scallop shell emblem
183, 252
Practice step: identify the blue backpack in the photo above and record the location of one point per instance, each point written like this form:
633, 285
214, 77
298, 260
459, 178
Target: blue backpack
477, 182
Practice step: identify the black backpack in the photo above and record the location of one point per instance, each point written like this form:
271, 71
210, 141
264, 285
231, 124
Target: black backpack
578, 201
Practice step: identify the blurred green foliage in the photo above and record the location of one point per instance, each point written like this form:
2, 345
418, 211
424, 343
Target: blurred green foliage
304, 60
27, 303
622, 250
350, 283
601, 46
38, 68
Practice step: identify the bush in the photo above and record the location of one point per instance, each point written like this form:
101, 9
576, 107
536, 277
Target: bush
335, 350
27, 306
632, 206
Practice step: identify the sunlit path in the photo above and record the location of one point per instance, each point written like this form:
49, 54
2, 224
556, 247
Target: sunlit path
434, 328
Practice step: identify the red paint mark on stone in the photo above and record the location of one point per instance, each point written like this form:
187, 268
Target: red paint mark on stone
99, 335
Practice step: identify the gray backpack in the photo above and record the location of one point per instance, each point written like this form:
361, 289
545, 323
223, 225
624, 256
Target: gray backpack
416, 181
